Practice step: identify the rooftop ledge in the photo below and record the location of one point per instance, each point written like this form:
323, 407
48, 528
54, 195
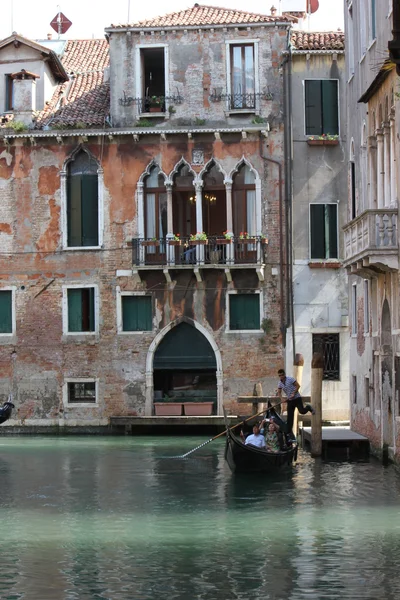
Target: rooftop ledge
134, 131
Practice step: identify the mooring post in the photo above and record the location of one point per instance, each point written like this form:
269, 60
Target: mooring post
317, 372
298, 375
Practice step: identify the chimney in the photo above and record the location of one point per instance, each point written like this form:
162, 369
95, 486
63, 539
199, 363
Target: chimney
49, 36
24, 91
273, 11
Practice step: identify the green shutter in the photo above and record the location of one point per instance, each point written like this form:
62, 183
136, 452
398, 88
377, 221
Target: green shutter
6, 311
74, 210
75, 310
136, 313
331, 214
90, 210
91, 313
317, 230
244, 311
313, 107
330, 122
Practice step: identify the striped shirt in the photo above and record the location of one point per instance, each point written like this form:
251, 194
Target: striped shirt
288, 387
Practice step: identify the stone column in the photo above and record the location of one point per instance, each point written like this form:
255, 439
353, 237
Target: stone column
393, 161
386, 163
170, 226
229, 219
372, 172
199, 219
380, 169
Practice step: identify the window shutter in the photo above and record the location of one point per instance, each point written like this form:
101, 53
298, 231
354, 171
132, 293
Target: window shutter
244, 311
331, 210
136, 313
313, 107
75, 310
74, 216
330, 107
92, 325
90, 210
6, 311
317, 230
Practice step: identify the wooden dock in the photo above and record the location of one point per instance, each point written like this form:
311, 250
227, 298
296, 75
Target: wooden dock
338, 442
171, 425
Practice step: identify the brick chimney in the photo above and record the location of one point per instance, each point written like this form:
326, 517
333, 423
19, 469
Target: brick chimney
273, 11
24, 92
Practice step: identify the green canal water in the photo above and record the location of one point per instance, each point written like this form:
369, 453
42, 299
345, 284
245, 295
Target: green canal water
115, 518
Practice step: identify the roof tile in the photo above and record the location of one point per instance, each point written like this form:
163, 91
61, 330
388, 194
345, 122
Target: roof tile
313, 40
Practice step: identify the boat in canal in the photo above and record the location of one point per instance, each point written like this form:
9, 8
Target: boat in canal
5, 411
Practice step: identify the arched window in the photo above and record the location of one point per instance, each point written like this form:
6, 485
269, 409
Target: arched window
214, 201
82, 201
184, 202
155, 214
244, 202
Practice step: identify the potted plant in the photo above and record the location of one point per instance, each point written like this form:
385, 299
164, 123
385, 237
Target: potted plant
198, 239
151, 242
168, 407
226, 239
175, 241
245, 238
156, 103
326, 139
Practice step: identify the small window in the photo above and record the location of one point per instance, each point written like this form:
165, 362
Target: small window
373, 20
244, 311
6, 320
137, 313
321, 96
354, 310
242, 77
367, 403
81, 310
153, 79
82, 392
366, 306
353, 202
328, 345
354, 386
82, 202
9, 97
324, 234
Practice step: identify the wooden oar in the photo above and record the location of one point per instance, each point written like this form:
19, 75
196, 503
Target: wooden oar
230, 429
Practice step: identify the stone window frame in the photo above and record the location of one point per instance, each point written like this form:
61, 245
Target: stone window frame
119, 294
65, 394
8, 337
324, 260
75, 286
138, 74
305, 107
243, 42
227, 311
64, 202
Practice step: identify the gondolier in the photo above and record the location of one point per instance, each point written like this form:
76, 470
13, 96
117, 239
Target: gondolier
291, 388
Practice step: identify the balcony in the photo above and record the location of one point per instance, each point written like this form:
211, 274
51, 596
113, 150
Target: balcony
214, 253
371, 242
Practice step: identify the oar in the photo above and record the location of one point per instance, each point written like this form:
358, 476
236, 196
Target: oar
230, 429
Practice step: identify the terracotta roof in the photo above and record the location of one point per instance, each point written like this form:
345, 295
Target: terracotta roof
201, 15
313, 40
85, 55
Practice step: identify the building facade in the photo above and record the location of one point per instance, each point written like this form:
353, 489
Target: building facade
319, 201
143, 227
371, 234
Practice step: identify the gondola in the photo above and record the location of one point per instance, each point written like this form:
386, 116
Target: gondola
249, 459
5, 411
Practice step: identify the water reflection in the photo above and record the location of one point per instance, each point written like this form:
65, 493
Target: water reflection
117, 519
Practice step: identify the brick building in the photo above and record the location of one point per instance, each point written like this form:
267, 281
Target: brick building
113, 155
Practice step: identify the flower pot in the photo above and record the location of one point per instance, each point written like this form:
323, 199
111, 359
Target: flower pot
248, 241
150, 243
174, 242
168, 409
315, 142
198, 242
155, 109
331, 142
198, 409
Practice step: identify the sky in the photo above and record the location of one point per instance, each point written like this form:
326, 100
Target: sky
32, 19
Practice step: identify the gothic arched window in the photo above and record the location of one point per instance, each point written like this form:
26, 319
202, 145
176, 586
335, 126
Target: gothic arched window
82, 201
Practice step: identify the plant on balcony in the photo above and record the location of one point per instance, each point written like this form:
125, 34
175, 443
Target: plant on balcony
176, 240
326, 139
151, 242
246, 238
156, 104
198, 238
226, 239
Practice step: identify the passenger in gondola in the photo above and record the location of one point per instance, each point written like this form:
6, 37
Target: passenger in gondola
255, 439
272, 442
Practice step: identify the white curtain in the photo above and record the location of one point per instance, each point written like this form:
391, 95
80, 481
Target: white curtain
251, 212
151, 219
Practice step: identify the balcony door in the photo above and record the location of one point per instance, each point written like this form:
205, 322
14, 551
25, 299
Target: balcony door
214, 202
184, 203
244, 203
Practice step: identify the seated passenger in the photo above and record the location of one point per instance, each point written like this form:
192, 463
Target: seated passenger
255, 439
272, 443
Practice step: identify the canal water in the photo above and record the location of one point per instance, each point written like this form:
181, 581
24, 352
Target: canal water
117, 519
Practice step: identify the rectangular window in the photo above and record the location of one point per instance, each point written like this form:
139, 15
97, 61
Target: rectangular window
81, 309
353, 202
152, 62
366, 306
9, 97
6, 311
372, 20
354, 386
327, 344
322, 108
323, 231
242, 77
137, 313
82, 210
244, 312
82, 392
367, 392
354, 310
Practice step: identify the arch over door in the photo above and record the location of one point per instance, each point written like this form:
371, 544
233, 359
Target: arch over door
184, 347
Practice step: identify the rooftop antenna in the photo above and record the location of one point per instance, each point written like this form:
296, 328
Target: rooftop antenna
129, 11
12, 15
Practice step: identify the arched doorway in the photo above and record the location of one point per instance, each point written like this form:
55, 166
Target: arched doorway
387, 415
184, 360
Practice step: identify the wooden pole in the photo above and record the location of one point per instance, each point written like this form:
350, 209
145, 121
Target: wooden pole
298, 375
317, 372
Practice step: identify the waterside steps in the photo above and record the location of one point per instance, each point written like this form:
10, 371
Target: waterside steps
338, 442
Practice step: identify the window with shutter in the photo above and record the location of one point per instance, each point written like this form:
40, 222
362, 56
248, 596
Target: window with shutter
137, 314
6, 311
321, 107
82, 202
81, 307
323, 231
244, 311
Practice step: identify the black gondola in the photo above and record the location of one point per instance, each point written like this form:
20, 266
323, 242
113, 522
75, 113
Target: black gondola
249, 459
5, 411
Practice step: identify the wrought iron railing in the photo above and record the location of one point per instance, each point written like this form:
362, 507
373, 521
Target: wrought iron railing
147, 103
213, 251
238, 101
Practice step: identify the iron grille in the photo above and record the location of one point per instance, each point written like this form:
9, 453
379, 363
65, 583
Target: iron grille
328, 345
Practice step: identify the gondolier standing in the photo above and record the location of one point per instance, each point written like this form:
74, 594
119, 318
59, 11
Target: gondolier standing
291, 388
